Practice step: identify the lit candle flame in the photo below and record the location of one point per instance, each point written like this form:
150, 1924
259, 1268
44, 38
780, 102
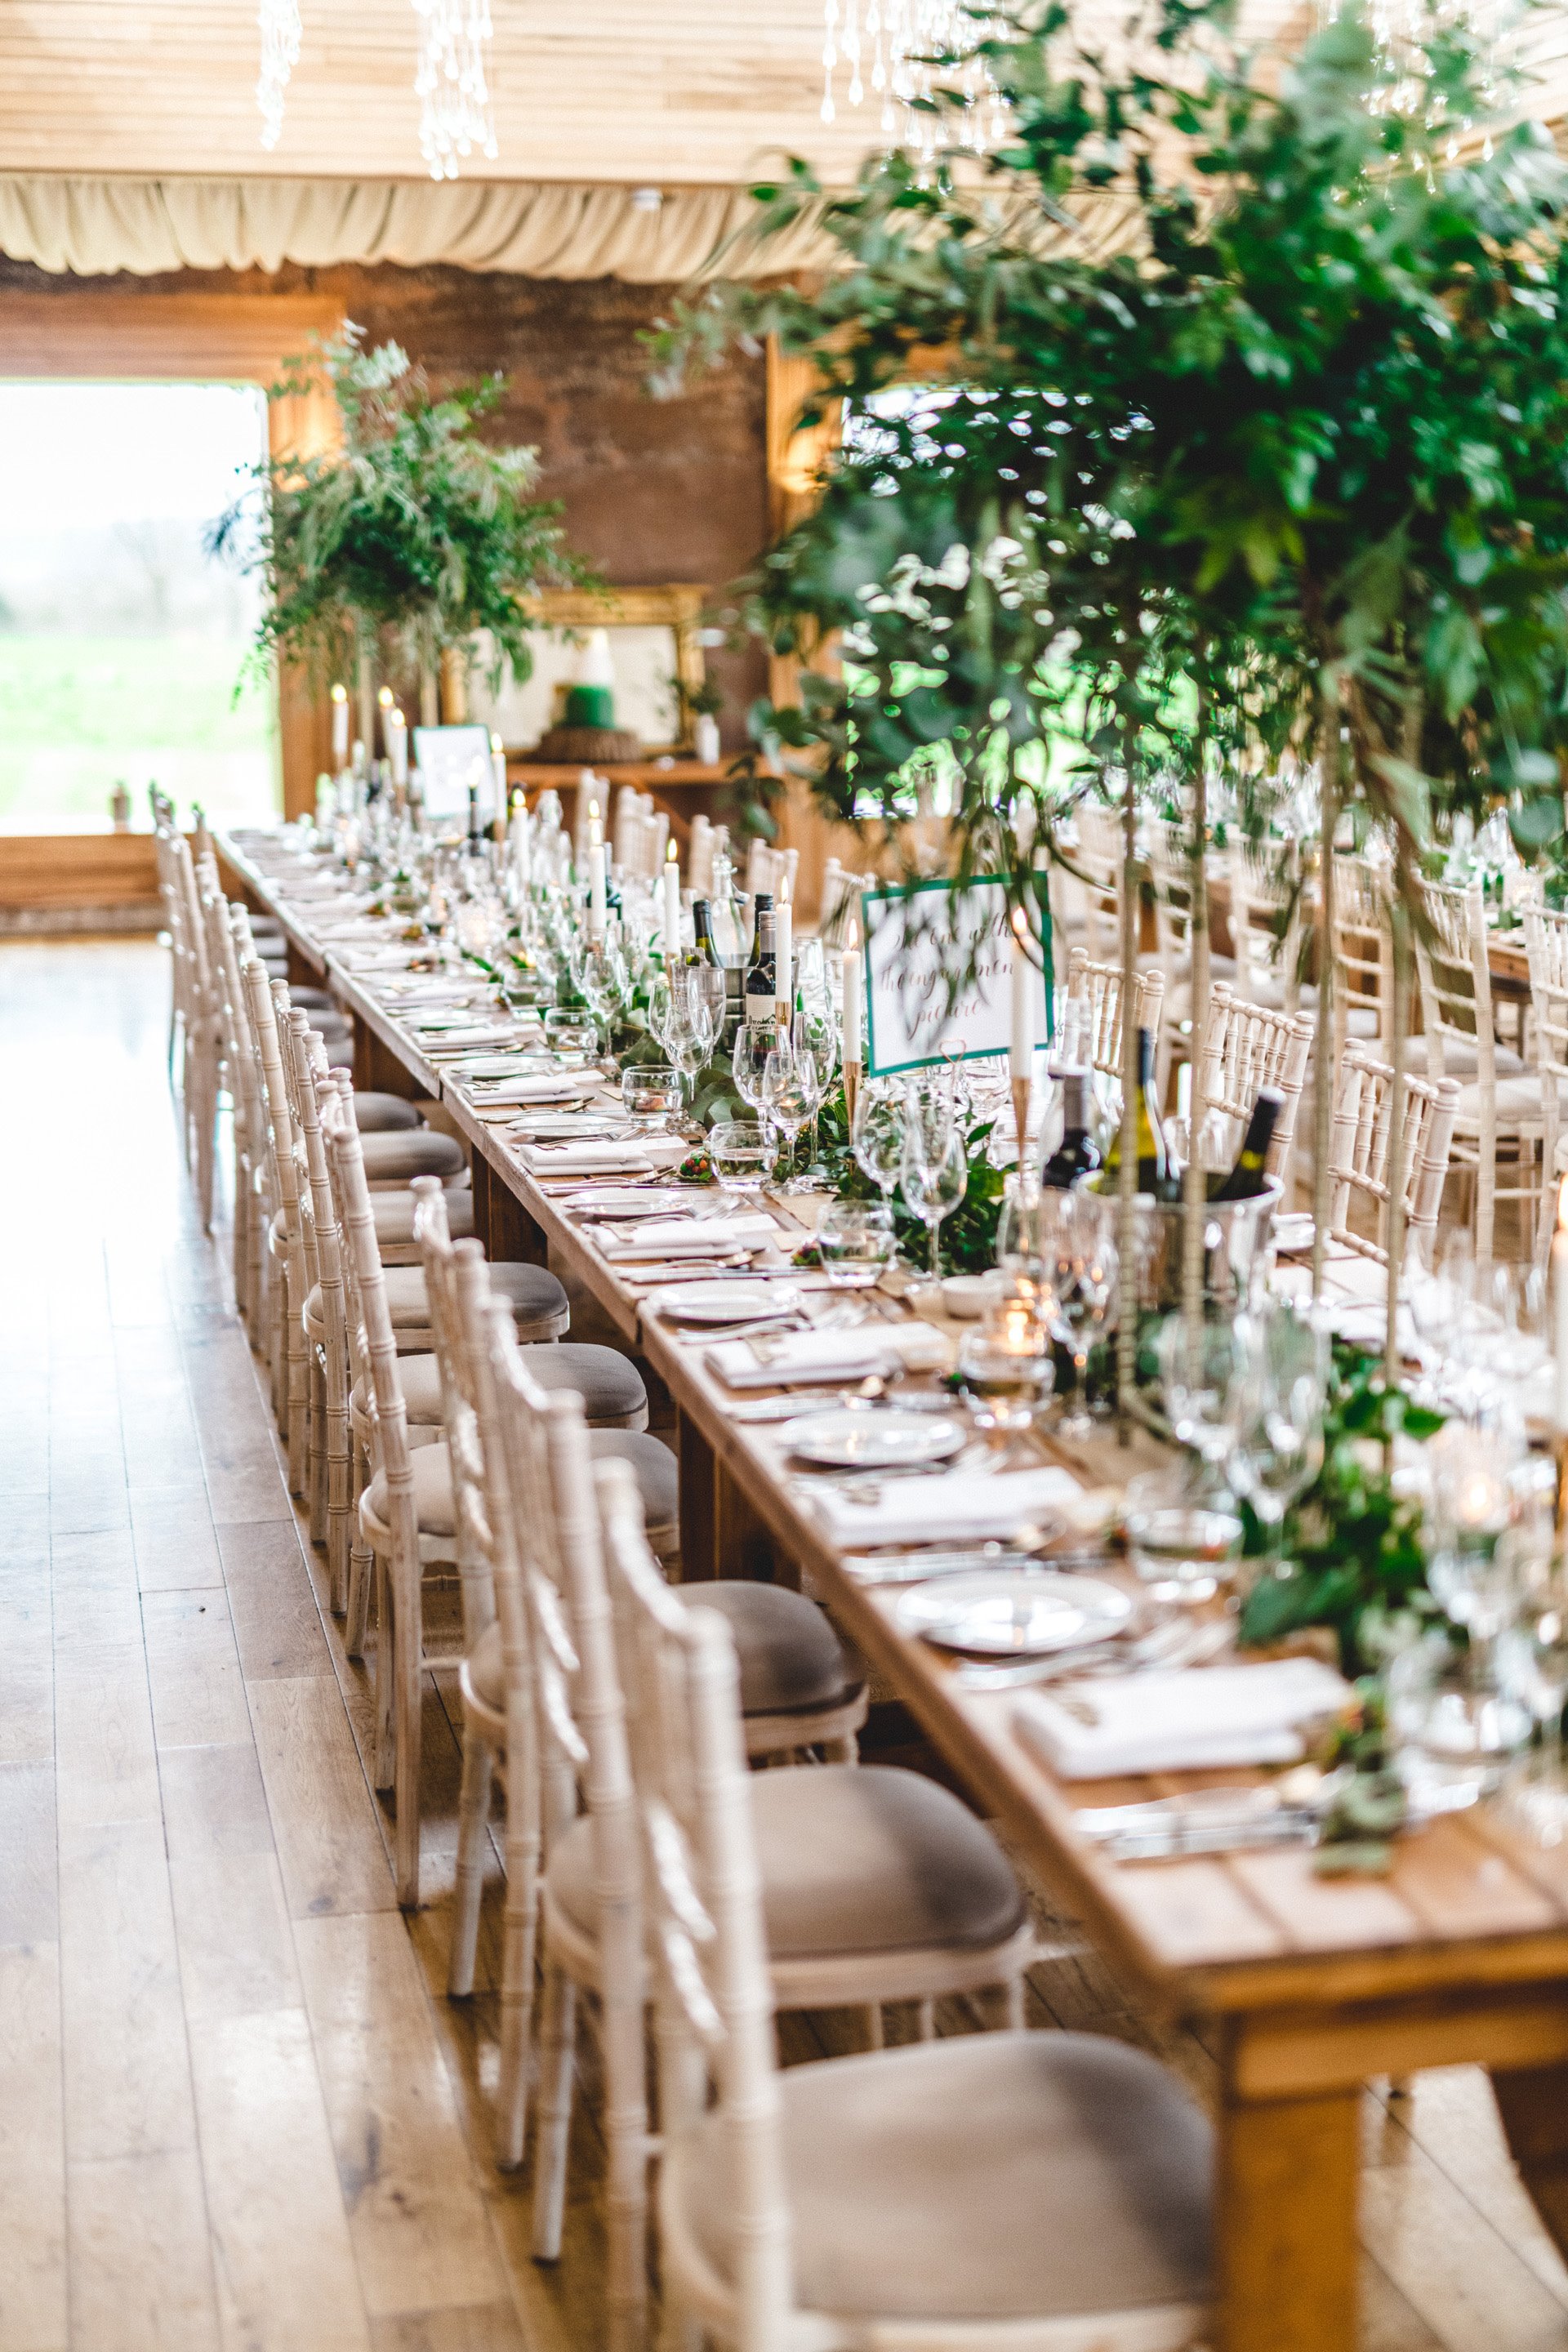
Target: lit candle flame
385, 698
496, 743
340, 694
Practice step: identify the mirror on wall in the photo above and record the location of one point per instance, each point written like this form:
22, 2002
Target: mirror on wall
651, 639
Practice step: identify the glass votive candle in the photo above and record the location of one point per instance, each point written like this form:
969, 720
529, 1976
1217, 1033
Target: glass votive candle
650, 1094
1006, 1363
737, 1154
856, 1239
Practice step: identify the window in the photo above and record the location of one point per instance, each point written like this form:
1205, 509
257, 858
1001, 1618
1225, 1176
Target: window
121, 642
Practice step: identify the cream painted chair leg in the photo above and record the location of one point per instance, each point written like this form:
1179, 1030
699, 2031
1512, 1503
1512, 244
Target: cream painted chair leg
315, 1448
341, 1505
873, 2017
1015, 1991
298, 1429
1486, 1187
473, 1813
385, 1669
362, 1576
407, 1689
520, 1943
925, 2020
557, 2053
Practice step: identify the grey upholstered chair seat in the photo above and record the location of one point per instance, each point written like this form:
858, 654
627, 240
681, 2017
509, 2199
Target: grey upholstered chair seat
990, 2177
609, 1384
397, 1159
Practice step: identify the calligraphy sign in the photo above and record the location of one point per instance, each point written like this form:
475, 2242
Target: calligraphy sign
939, 972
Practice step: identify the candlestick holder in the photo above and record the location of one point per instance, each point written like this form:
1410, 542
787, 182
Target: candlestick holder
1021, 1092
851, 1091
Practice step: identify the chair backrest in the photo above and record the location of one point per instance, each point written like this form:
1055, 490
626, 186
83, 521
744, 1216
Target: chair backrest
1359, 1168
1363, 948
190, 938
1096, 860
1246, 1047
235, 1041
442, 1260
701, 1890
283, 1173
1265, 919
1546, 945
1098, 986
379, 1344
1456, 980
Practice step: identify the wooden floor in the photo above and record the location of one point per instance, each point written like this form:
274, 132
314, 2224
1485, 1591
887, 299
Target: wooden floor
236, 2107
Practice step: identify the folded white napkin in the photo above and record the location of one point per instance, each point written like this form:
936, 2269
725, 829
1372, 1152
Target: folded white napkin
1187, 1719
688, 1236
884, 1348
557, 1086
652, 1200
948, 1504
445, 1041
649, 1151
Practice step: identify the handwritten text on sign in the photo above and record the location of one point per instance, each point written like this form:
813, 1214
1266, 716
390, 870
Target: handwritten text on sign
916, 942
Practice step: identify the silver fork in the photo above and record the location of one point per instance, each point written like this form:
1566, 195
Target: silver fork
1165, 1646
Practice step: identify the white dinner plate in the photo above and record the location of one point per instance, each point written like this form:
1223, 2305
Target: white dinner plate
504, 1066
1012, 1613
630, 1200
848, 1440
723, 1302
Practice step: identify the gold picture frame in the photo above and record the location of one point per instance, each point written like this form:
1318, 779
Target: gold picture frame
676, 606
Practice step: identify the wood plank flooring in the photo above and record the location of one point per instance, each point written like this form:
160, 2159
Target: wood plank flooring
237, 2112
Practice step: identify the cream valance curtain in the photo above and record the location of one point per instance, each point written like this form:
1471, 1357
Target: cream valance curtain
94, 226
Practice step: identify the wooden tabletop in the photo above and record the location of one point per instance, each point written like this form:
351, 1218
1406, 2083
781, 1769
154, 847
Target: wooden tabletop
1302, 1987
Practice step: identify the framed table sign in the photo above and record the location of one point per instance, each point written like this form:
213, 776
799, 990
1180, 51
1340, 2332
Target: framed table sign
917, 938
448, 759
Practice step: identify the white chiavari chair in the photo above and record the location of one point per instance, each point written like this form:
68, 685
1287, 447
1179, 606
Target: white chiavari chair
1247, 1047
1501, 1115
878, 1885
1361, 1181
1095, 860
239, 1078
284, 1236
1546, 945
202, 1029
1363, 955
1044, 2192
1266, 922
1098, 986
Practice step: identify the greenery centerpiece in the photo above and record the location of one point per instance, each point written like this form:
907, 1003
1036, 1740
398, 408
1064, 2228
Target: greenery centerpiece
412, 534
1220, 417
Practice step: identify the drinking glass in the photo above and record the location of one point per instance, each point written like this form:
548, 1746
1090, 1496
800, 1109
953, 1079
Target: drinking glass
814, 1039
651, 1094
785, 1098
856, 1239
1005, 1362
1472, 1571
754, 1041
1277, 1404
934, 1172
1182, 1547
1455, 1726
878, 1139
738, 1153
1532, 1666
1200, 1367
1080, 1262
572, 1038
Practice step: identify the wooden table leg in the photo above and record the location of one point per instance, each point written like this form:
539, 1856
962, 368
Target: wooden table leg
1286, 2224
699, 1503
1534, 2104
378, 1069
746, 1544
502, 1224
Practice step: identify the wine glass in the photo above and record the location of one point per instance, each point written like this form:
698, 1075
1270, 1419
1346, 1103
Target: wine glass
785, 1100
934, 1171
1200, 1365
1533, 1667
878, 1138
1278, 1407
814, 1057
1080, 1264
754, 1041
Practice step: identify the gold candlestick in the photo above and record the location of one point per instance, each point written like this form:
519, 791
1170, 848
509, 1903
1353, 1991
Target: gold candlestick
851, 1091
1021, 1087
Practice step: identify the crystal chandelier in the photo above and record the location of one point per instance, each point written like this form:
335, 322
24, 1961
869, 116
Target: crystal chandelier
453, 83
896, 40
280, 22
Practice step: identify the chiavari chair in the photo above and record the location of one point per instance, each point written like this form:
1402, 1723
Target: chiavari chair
1546, 945
1246, 1046
1499, 1114
1266, 922
1359, 1172
1048, 2192
878, 1885
1098, 986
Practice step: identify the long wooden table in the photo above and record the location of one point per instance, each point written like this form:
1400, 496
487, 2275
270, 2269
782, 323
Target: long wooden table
1302, 1989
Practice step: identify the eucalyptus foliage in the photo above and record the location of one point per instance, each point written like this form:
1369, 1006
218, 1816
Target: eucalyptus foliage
1246, 404
415, 528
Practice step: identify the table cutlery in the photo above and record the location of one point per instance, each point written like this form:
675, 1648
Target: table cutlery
1171, 1645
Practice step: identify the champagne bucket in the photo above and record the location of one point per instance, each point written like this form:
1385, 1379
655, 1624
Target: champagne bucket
1235, 1244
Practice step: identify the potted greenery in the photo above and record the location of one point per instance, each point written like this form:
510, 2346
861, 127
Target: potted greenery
414, 533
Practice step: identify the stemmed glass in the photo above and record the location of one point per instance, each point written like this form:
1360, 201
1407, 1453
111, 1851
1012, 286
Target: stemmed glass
1278, 1407
934, 1171
813, 1050
878, 1139
754, 1041
786, 1099
1200, 1366
1080, 1264
1533, 1667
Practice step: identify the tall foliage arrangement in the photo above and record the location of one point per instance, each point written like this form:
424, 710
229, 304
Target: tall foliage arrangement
414, 530
1246, 430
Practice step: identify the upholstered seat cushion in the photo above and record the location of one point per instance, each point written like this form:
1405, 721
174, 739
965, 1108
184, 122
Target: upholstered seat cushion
394, 1214
1459, 1060
609, 1384
855, 1860
419, 1151
532, 1292
379, 1114
991, 2177
1518, 1104
791, 1658
432, 1466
